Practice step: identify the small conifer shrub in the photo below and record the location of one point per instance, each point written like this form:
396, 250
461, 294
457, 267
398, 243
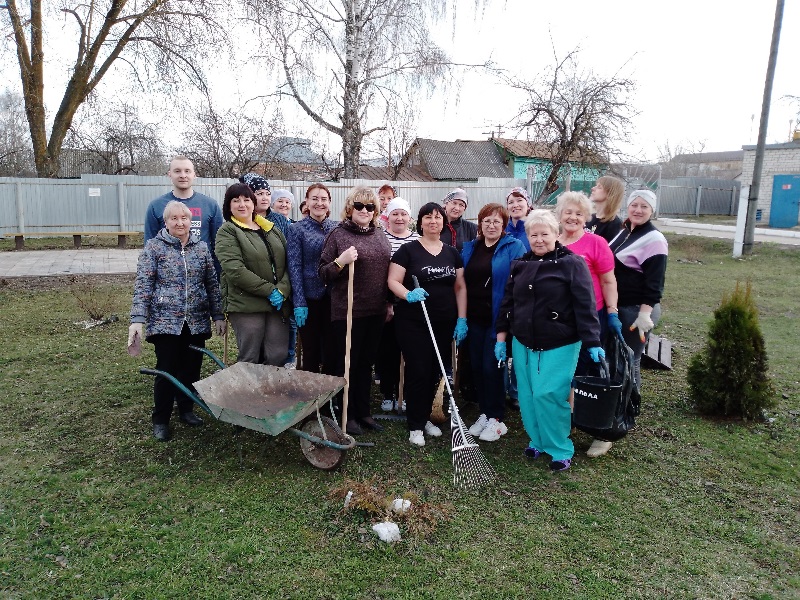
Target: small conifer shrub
729, 376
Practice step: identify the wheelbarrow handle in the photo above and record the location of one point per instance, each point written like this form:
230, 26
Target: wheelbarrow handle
210, 355
186, 391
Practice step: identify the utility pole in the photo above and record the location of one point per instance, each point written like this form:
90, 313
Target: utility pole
752, 200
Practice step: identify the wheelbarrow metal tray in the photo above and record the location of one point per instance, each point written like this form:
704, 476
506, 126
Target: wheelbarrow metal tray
265, 398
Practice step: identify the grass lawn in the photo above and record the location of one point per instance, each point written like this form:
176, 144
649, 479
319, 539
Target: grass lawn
91, 506
65, 242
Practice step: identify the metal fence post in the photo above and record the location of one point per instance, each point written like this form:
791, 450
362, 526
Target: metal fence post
121, 203
20, 207
697, 202
733, 201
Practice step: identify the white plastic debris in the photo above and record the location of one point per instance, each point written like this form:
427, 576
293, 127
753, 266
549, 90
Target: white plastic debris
400, 506
348, 498
388, 531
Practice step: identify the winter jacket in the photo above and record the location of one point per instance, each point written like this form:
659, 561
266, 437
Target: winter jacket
518, 231
640, 264
281, 221
306, 238
370, 282
174, 285
549, 301
507, 250
463, 230
250, 272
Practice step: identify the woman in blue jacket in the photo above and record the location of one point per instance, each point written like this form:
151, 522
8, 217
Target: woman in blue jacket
487, 263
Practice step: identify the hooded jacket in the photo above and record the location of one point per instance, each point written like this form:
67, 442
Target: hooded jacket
507, 250
174, 285
251, 271
549, 301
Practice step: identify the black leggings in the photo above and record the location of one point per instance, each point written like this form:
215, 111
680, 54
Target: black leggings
422, 367
174, 356
364, 338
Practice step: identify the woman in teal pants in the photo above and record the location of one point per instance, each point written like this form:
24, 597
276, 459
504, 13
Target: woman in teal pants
549, 309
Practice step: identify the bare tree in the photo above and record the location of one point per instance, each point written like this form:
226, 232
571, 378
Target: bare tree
16, 155
343, 59
229, 143
400, 133
579, 115
117, 138
160, 36
669, 153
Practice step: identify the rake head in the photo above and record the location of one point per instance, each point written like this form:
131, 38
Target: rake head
470, 467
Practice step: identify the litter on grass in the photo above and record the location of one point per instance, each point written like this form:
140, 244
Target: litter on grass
387, 531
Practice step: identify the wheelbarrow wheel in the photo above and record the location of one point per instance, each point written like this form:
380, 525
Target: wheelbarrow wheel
322, 456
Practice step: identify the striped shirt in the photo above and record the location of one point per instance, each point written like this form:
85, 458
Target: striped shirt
396, 242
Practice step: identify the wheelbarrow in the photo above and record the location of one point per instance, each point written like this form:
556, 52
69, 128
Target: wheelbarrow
273, 400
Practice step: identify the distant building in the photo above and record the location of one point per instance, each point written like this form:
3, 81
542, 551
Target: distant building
778, 204
455, 161
719, 165
291, 158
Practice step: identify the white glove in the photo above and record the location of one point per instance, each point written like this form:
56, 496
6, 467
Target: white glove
643, 323
220, 327
135, 333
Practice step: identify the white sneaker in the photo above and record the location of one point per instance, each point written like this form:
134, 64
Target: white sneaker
387, 405
416, 437
479, 425
598, 448
432, 430
399, 406
291, 365
493, 430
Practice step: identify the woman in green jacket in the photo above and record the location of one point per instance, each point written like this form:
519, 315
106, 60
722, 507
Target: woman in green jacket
255, 279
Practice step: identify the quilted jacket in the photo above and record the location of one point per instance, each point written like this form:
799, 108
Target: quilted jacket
174, 285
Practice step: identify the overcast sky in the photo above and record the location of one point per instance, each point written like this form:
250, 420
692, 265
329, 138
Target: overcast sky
699, 67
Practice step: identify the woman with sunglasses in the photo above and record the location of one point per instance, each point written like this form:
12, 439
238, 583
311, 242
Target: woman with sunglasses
357, 244
312, 304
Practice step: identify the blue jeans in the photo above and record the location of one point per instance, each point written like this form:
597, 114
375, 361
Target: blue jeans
486, 377
292, 340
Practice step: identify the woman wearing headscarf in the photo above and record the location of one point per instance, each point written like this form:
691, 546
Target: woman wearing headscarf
357, 243
640, 264
607, 195
439, 270
397, 232
263, 192
312, 303
176, 295
487, 263
255, 280
549, 309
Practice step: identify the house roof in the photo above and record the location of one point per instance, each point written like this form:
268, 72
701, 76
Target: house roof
524, 148
290, 150
460, 160
405, 174
710, 157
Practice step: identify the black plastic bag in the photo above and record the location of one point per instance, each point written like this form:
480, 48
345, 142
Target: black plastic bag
626, 396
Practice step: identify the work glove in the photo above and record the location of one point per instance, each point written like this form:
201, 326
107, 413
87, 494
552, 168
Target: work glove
461, 330
135, 333
220, 327
597, 353
643, 323
300, 315
276, 299
614, 323
500, 351
416, 295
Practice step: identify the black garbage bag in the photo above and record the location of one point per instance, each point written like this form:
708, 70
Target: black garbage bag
607, 404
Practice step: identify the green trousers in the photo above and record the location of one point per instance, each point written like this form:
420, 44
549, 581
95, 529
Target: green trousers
543, 381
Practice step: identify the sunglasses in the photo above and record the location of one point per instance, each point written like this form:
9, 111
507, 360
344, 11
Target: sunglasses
361, 206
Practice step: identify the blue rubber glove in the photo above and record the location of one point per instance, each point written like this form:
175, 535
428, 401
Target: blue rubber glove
597, 353
300, 315
500, 351
614, 323
460, 334
276, 299
416, 295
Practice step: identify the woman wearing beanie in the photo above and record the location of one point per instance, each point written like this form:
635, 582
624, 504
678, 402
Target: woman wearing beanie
640, 263
263, 192
357, 243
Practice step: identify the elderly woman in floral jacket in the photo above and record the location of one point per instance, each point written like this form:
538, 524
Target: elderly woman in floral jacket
176, 295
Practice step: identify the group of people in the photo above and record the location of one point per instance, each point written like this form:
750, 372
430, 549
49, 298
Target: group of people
544, 287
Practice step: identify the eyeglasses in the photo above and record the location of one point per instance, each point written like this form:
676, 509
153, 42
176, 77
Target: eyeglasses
361, 206
492, 222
